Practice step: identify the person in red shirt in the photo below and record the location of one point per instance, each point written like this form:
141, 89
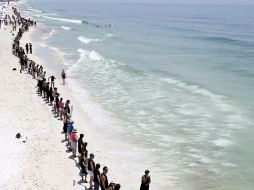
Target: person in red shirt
74, 142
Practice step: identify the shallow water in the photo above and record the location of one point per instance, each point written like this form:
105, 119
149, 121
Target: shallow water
170, 86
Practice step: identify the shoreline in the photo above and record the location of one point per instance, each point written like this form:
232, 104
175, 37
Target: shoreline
82, 122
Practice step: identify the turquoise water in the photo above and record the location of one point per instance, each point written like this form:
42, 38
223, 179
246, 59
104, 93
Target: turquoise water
169, 87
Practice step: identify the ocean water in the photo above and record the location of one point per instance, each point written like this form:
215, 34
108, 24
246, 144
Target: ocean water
167, 87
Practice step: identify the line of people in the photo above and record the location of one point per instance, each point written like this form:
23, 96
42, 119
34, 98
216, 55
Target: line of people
49, 92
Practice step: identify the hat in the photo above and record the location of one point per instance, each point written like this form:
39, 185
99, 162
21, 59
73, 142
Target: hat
74, 130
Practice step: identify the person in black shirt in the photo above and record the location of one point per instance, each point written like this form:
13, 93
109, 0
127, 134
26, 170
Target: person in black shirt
52, 81
83, 166
57, 104
91, 167
80, 143
65, 129
27, 48
104, 179
48, 93
96, 179
51, 97
145, 181
30, 47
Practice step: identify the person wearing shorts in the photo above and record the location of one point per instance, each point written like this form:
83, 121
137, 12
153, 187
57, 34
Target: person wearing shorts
91, 167
69, 130
74, 142
83, 165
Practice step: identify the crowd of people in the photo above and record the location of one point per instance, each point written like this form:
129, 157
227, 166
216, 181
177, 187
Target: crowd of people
49, 92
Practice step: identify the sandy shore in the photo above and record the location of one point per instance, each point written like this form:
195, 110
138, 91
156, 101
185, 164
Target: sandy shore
39, 159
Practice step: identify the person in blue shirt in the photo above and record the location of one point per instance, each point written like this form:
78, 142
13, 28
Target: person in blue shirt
70, 127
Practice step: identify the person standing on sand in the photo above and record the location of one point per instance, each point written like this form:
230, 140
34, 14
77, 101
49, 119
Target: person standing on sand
97, 176
145, 181
84, 149
57, 104
27, 48
69, 130
52, 81
80, 143
67, 110
65, 123
91, 167
74, 141
51, 97
104, 179
63, 76
61, 108
83, 165
30, 47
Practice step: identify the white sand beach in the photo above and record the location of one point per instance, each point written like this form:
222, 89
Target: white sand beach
39, 159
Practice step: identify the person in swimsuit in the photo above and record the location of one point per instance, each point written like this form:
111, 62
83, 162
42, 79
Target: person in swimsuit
104, 179
145, 181
63, 77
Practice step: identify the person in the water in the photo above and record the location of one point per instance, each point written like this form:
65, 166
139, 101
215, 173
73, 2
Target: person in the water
63, 76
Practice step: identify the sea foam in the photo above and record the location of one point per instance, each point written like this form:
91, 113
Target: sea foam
92, 55
64, 19
35, 10
66, 28
86, 40
109, 35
